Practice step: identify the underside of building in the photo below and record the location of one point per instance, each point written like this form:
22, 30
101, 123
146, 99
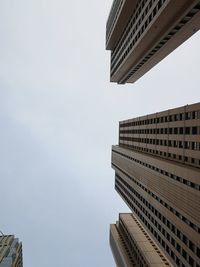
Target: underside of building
142, 33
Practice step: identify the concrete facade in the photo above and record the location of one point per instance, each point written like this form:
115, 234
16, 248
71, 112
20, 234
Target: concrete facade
141, 33
171, 134
132, 245
10, 251
157, 173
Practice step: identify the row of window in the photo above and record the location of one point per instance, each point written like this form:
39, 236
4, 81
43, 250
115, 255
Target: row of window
194, 130
160, 200
133, 245
134, 31
134, 19
161, 171
158, 46
144, 219
163, 154
164, 220
140, 203
163, 142
163, 203
192, 115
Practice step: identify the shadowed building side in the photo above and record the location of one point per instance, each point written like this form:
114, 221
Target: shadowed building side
120, 251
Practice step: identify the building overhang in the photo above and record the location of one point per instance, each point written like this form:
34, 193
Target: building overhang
117, 20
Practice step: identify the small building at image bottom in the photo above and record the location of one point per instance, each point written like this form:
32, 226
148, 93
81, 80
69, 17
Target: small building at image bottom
132, 246
10, 251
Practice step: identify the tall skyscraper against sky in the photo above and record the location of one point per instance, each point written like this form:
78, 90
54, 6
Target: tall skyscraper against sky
157, 173
10, 251
140, 33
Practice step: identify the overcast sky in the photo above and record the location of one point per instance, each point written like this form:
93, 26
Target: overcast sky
59, 117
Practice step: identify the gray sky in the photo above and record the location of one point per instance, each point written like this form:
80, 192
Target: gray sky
59, 117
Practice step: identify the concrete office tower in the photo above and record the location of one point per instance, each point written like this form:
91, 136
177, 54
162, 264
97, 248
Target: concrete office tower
10, 251
157, 173
141, 33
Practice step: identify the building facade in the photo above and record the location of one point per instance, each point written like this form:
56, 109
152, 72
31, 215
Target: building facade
132, 245
157, 173
10, 251
141, 33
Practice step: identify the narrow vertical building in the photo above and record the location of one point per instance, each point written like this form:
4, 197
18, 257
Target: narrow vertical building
10, 251
141, 33
157, 173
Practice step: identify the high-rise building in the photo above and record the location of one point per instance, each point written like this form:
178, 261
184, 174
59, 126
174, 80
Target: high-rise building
157, 173
140, 33
10, 251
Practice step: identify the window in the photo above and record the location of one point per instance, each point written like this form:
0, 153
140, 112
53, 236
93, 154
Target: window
198, 252
185, 239
194, 146
175, 130
181, 130
188, 115
194, 130
180, 144
191, 245
194, 115
175, 143
187, 130
186, 145
184, 254
178, 247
